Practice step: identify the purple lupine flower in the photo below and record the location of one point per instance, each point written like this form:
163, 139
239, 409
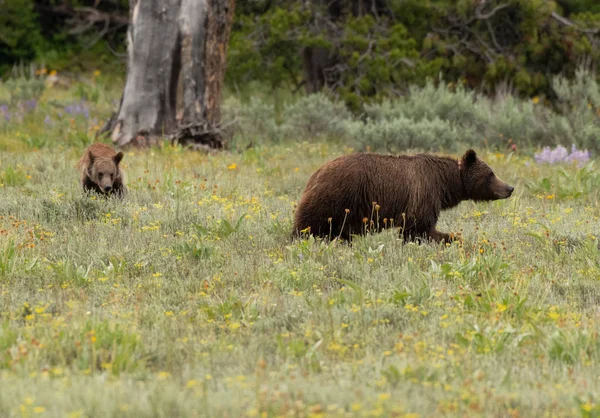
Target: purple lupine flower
549, 156
561, 155
5, 112
78, 109
30, 105
47, 120
580, 157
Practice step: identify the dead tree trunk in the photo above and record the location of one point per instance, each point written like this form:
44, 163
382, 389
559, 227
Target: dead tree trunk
176, 65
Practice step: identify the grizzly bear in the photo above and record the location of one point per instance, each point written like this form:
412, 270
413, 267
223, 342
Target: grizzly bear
364, 192
100, 170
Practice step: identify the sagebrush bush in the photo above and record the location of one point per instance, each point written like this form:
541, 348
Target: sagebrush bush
401, 133
308, 118
429, 102
256, 119
315, 116
580, 103
434, 117
509, 118
580, 91
22, 89
437, 117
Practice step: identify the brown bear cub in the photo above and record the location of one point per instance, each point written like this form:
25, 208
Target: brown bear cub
359, 192
100, 170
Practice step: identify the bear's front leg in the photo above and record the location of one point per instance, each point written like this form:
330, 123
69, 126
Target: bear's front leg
90, 186
119, 189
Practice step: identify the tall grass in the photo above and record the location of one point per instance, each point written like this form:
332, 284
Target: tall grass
189, 299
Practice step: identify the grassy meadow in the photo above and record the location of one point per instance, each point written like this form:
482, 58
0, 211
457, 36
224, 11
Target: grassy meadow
188, 298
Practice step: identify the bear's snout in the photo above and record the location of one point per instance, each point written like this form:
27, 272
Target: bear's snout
505, 192
107, 189
500, 190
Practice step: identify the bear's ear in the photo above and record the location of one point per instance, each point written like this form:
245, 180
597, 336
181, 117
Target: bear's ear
469, 158
92, 157
118, 157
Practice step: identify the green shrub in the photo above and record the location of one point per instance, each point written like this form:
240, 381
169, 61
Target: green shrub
366, 54
20, 35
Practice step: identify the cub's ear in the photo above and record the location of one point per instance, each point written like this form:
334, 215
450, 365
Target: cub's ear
469, 158
92, 157
118, 157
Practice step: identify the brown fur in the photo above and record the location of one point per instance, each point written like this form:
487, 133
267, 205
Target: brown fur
100, 171
411, 190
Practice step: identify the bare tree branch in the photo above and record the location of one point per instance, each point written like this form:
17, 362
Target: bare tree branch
493, 36
100, 35
96, 15
87, 14
569, 23
480, 16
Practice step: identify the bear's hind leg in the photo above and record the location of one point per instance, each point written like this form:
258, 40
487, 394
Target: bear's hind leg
438, 236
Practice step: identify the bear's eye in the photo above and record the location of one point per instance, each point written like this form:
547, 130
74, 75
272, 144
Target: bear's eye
100, 175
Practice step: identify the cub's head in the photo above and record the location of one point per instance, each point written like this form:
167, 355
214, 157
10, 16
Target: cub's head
479, 180
104, 170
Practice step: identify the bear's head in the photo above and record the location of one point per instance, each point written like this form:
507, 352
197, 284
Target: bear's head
104, 170
479, 181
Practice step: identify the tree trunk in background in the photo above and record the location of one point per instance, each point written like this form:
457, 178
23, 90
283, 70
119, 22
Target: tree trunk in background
320, 63
177, 53
317, 61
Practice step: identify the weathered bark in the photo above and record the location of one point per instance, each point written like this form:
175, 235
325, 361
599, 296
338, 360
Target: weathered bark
176, 65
